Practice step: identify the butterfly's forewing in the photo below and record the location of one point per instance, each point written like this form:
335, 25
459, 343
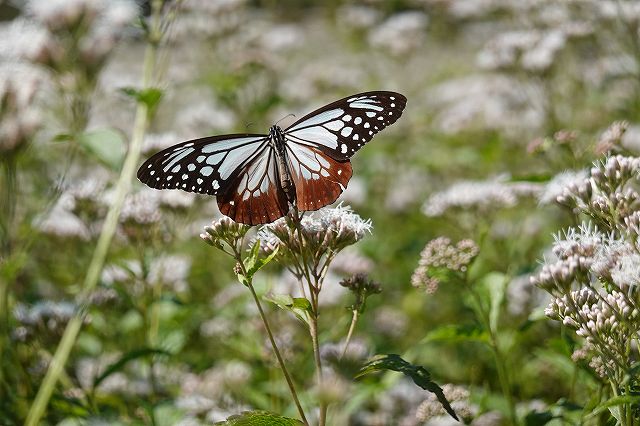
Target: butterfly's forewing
341, 128
205, 166
254, 194
319, 179
320, 144
242, 170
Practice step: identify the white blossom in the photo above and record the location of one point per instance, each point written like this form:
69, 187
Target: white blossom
401, 33
557, 185
492, 194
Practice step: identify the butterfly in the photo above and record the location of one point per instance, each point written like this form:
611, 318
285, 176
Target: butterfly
258, 178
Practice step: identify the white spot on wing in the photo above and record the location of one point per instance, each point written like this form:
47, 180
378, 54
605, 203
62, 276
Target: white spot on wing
317, 119
216, 158
346, 131
358, 120
335, 125
177, 156
318, 135
226, 144
365, 105
343, 148
206, 171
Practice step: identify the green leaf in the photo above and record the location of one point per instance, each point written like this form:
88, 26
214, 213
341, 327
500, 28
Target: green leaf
299, 306
124, 359
250, 261
537, 418
417, 373
107, 146
150, 96
259, 418
62, 137
457, 333
495, 283
260, 263
613, 403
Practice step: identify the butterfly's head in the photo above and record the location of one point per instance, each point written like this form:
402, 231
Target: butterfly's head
275, 132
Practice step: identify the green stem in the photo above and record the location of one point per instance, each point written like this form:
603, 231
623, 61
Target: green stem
283, 367
9, 199
314, 290
313, 330
354, 320
72, 330
503, 376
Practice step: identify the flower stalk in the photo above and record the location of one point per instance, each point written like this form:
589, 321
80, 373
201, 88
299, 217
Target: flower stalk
92, 276
274, 345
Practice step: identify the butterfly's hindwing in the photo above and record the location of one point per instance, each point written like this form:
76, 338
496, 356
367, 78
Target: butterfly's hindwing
243, 170
341, 128
254, 194
318, 178
204, 166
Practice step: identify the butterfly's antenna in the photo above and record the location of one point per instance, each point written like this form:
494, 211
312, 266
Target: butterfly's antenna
288, 115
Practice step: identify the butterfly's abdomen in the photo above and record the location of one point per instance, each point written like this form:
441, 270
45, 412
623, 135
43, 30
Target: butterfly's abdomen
286, 182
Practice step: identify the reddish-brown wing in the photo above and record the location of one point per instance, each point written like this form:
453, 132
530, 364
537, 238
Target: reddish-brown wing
254, 194
318, 178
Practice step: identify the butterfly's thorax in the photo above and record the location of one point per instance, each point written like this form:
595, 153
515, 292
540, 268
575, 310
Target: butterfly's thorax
277, 139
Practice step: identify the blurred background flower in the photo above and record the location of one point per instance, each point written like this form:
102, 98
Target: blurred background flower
509, 105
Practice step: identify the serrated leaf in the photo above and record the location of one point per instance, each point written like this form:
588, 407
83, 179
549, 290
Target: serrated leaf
124, 359
259, 418
457, 333
107, 146
299, 306
417, 373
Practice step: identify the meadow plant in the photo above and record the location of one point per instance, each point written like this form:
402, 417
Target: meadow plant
110, 311
593, 277
305, 245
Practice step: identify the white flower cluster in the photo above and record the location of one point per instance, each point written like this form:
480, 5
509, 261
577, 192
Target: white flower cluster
20, 116
401, 33
482, 195
458, 396
170, 271
329, 230
606, 322
492, 102
205, 18
531, 50
99, 24
596, 279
